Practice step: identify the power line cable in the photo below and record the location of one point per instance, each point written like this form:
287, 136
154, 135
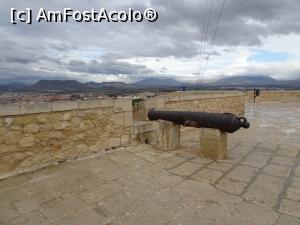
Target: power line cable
200, 65
214, 36
202, 39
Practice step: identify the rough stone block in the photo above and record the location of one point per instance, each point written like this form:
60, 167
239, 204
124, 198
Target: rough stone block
213, 143
37, 107
123, 105
125, 140
128, 119
89, 104
31, 128
9, 110
174, 98
12, 137
168, 135
140, 127
67, 116
122, 119
157, 103
107, 103
117, 118
115, 142
8, 121
8, 149
27, 141
61, 125
82, 148
64, 105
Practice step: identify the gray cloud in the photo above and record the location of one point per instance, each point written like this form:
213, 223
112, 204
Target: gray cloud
100, 48
107, 66
20, 60
62, 47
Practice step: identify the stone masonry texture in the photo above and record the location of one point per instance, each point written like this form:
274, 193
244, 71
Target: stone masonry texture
36, 139
34, 135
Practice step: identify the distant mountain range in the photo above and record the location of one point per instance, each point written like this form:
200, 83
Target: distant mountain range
158, 82
148, 83
252, 80
93, 84
234, 81
58, 85
255, 81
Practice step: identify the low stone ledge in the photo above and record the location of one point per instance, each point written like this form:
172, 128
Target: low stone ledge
37, 107
120, 105
104, 103
123, 105
144, 132
10, 110
140, 127
89, 104
64, 105
205, 97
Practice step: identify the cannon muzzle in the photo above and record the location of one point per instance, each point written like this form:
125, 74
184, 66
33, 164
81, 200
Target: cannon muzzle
225, 122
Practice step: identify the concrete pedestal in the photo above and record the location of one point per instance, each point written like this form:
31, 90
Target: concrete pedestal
213, 143
168, 135
144, 132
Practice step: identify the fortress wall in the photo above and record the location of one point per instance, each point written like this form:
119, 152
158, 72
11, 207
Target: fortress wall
278, 95
35, 135
39, 134
233, 102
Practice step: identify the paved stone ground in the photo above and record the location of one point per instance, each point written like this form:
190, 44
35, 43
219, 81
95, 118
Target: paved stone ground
258, 184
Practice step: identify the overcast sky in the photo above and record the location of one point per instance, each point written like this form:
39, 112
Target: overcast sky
254, 37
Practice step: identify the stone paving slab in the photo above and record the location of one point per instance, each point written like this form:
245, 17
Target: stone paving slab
207, 175
242, 173
231, 186
258, 183
186, 169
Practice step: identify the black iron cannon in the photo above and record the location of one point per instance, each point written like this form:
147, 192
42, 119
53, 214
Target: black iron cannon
225, 122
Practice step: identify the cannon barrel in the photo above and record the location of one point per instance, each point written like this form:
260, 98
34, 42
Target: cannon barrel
225, 122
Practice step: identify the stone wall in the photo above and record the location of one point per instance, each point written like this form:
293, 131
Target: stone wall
278, 95
208, 101
39, 134
34, 135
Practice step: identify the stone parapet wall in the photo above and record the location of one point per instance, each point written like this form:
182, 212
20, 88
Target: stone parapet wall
232, 102
39, 134
34, 135
278, 95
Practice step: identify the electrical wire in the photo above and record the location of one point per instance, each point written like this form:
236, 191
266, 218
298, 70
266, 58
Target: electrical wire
214, 37
202, 39
203, 46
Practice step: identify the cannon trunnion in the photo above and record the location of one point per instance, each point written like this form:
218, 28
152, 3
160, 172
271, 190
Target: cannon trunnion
225, 122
